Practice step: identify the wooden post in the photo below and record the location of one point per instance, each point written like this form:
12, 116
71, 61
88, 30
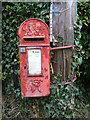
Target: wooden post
63, 18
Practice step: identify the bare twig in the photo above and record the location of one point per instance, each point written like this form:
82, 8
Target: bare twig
12, 110
52, 69
62, 10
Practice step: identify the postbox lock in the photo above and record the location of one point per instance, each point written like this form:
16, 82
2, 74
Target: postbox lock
22, 49
24, 67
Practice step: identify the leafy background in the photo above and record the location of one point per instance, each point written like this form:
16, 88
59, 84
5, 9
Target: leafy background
71, 101
83, 15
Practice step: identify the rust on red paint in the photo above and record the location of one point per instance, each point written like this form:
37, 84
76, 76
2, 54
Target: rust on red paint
34, 36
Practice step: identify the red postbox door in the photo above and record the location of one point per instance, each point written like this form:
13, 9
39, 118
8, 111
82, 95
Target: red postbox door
34, 55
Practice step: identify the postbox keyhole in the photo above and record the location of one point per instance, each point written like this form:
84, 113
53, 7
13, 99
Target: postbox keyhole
24, 67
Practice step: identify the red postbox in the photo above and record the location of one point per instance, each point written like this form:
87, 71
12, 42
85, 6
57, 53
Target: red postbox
34, 56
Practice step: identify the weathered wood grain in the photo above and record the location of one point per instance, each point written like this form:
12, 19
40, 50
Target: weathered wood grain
64, 33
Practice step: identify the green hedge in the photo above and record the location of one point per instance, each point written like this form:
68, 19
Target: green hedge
83, 15
64, 101
13, 14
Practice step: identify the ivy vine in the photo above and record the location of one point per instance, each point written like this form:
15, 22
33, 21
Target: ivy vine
65, 101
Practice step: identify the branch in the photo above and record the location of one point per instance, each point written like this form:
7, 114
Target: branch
62, 10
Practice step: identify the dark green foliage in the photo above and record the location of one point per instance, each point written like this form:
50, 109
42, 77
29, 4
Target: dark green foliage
84, 16
13, 14
65, 101
78, 49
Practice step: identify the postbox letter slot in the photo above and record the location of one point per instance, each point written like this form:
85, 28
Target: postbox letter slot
34, 39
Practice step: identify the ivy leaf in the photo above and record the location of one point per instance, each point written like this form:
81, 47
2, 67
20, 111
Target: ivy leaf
80, 60
72, 100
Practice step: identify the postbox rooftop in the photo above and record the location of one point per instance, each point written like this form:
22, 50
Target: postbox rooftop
34, 32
